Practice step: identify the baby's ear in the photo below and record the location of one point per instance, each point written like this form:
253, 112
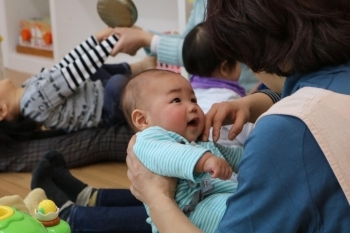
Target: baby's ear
3, 111
139, 119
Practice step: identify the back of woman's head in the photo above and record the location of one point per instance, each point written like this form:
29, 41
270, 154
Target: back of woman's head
12, 132
281, 36
198, 54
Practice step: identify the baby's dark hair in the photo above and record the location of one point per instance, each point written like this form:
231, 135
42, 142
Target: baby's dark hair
281, 36
198, 55
133, 96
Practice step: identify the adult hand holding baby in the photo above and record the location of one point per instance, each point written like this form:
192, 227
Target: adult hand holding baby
146, 185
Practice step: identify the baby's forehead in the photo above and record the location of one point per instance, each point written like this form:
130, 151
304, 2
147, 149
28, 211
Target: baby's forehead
169, 82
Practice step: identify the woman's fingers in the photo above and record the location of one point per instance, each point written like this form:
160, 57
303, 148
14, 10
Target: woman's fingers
239, 122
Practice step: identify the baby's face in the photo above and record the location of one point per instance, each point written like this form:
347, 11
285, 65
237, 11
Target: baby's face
173, 106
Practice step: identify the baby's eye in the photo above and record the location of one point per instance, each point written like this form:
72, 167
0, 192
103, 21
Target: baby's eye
176, 100
194, 101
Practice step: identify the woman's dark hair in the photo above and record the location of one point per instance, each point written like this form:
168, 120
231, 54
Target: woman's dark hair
281, 36
198, 54
21, 130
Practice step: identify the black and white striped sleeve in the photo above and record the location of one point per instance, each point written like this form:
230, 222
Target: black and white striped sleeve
77, 52
81, 69
275, 97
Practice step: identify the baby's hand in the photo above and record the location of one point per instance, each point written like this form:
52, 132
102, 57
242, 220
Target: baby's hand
218, 168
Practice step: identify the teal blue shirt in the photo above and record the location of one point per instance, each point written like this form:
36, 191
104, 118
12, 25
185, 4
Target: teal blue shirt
169, 154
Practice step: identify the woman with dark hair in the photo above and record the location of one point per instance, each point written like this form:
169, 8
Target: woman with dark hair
293, 176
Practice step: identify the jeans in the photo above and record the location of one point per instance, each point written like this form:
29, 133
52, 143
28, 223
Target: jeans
114, 78
116, 210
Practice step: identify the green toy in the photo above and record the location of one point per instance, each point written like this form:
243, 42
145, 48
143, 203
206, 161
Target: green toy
13, 220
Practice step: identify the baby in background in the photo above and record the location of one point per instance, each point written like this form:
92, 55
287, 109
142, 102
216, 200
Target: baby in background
214, 78
162, 107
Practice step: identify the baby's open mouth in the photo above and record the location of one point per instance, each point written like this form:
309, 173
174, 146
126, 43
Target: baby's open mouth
193, 122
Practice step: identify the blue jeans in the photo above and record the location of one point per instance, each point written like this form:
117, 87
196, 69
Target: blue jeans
114, 78
116, 210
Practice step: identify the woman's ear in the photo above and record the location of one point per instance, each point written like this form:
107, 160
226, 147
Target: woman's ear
139, 119
3, 111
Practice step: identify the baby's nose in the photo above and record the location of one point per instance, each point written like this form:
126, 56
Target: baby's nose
193, 108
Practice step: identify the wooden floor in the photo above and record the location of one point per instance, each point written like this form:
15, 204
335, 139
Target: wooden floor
103, 175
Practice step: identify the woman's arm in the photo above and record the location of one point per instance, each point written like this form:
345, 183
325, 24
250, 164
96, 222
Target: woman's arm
168, 218
272, 81
158, 193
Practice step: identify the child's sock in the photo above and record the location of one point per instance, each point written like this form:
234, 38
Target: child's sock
87, 197
62, 177
65, 211
41, 178
93, 196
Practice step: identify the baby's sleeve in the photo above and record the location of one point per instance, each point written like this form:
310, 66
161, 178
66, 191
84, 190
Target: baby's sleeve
164, 153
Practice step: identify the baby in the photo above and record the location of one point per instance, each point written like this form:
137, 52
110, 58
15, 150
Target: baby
162, 107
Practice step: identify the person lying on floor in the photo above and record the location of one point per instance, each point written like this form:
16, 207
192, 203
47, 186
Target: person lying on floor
79, 92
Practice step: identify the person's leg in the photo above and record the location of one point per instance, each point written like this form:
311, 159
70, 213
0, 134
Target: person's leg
109, 219
113, 210
132, 69
115, 197
64, 180
81, 148
120, 68
111, 111
106, 71
41, 178
81, 193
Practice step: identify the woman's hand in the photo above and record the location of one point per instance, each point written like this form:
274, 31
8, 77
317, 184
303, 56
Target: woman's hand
145, 185
226, 113
131, 40
236, 112
158, 193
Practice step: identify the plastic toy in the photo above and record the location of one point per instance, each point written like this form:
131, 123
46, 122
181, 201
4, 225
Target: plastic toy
13, 220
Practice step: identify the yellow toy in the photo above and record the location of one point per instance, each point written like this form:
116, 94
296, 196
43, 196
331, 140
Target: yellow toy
45, 219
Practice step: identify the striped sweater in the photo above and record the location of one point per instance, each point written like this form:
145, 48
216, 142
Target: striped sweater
64, 97
169, 154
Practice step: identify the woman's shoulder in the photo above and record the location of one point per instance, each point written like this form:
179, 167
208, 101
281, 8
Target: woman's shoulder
278, 134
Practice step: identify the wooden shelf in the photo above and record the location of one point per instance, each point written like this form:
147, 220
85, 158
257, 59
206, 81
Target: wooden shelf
70, 26
34, 51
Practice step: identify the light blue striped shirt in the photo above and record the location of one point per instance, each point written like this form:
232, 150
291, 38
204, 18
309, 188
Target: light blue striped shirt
169, 154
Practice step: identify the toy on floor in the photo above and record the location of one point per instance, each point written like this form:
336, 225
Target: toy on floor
13, 220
